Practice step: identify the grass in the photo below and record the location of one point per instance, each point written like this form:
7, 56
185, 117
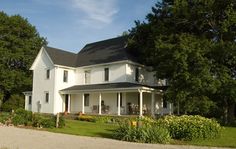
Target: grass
227, 139
83, 128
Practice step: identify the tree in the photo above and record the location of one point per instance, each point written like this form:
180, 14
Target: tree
192, 44
19, 44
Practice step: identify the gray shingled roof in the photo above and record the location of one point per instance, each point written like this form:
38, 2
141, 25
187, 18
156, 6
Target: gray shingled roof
104, 86
105, 51
61, 57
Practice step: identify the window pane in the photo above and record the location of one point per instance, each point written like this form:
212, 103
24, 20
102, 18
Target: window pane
65, 76
30, 100
87, 77
46, 97
106, 74
86, 100
48, 74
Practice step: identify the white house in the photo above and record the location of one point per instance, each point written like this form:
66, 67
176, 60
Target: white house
103, 78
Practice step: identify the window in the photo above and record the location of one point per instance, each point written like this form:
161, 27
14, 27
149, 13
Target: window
48, 74
137, 74
120, 99
65, 76
30, 100
86, 100
87, 76
46, 97
106, 74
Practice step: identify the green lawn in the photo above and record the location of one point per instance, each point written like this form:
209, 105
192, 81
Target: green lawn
83, 128
228, 139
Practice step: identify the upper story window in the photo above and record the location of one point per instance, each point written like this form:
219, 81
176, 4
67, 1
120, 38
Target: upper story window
47, 97
137, 74
106, 74
47, 73
65, 76
87, 74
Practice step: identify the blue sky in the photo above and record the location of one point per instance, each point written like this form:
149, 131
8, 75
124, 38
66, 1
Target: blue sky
70, 24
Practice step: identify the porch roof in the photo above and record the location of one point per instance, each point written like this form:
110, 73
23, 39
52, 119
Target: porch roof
121, 86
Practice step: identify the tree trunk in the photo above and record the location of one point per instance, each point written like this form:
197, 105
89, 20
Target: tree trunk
177, 107
231, 116
225, 111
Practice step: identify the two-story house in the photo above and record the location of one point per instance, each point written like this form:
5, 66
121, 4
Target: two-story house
103, 78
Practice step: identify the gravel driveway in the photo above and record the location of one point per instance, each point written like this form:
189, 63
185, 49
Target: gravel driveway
19, 138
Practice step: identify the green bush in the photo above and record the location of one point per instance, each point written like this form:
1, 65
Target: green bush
4, 117
144, 134
22, 117
190, 127
61, 123
86, 118
47, 122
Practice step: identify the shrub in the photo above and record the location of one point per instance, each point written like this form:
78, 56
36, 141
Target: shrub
144, 134
47, 122
86, 118
190, 127
61, 121
4, 117
22, 117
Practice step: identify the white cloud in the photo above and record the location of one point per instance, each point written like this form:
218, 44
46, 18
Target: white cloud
97, 12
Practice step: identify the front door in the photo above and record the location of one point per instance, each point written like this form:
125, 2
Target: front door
66, 102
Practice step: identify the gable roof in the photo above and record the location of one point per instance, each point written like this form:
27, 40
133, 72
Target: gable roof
106, 51
61, 57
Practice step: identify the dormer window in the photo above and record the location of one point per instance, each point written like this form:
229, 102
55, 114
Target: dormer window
47, 73
65, 76
106, 74
137, 74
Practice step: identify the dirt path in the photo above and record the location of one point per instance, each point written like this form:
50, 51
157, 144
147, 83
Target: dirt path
18, 138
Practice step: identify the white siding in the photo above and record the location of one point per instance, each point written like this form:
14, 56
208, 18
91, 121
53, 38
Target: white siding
41, 85
147, 77
116, 73
60, 84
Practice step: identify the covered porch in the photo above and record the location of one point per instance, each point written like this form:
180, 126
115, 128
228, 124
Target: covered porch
114, 99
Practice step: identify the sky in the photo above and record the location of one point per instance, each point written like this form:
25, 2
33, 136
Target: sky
71, 24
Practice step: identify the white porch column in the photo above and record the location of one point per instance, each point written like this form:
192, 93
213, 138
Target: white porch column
82, 103
118, 113
69, 98
152, 104
140, 103
100, 104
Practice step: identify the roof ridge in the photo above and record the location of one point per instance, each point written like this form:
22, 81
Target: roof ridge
105, 40
59, 49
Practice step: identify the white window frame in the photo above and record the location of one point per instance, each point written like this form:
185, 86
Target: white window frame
48, 73
67, 77
104, 75
45, 97
87, 80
